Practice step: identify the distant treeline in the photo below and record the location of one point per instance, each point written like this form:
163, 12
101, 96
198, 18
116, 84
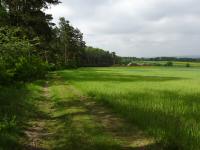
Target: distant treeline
127, 60
95, 57
173, 59
30, 44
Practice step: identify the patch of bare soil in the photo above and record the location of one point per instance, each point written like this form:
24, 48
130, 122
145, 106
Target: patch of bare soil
37, 132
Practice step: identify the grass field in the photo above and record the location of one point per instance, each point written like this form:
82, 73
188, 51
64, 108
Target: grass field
164, 102
112, 108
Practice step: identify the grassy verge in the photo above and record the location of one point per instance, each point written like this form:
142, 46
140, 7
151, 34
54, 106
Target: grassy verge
17, 106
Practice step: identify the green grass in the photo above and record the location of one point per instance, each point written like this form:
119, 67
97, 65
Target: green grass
81, 124
58, 116
164, 102
17, 106
75, 127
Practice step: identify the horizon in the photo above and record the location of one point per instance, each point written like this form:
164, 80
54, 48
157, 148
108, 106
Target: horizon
189, 56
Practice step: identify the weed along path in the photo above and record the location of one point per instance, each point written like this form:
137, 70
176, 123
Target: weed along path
70, 121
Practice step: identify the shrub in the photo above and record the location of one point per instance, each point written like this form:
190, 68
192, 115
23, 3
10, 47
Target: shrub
18, 60
187, 65
30, 69
169, 64
71, 64
157, 64
5, 76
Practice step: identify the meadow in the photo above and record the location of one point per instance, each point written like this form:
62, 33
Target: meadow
110, 108
163, 102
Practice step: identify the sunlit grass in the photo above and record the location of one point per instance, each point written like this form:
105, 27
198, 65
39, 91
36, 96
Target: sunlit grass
75, 126
164, 102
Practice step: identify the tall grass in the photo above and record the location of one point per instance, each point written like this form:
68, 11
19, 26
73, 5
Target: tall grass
164, 102
16, 109
75, 127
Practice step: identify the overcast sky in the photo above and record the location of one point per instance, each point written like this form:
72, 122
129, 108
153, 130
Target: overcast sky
142, 28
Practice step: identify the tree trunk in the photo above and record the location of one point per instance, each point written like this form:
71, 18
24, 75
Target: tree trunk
65, 54
46, 56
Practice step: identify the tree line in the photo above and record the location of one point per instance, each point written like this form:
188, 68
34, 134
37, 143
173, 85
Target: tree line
127, 60
31, 44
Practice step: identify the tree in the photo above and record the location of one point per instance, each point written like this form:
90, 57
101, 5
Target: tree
169, 64
3, 15
65, 35
31, 39
187, 65
29, 14
69, 44
18, 59
98, 57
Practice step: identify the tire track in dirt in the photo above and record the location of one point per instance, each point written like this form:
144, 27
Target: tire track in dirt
119, 128
37, 132
43, 128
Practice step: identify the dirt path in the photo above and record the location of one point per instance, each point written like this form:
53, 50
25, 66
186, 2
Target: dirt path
37, 133
131, 136
79, 123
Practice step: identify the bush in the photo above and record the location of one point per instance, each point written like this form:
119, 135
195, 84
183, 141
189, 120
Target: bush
187, 65
30, 69
169, 64
157, 64
5, 76
71, 64
18, 60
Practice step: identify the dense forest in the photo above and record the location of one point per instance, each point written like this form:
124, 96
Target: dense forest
31, 44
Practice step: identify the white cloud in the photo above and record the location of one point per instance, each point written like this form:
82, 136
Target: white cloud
136, 27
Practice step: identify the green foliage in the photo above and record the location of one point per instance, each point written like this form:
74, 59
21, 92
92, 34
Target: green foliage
30, 69
62, 46
169, 64
30, 15
98, 57
67, 45
161, 63
17, 107
144, 63
187, 65
17, 58
69, 50
5, 75
3, 15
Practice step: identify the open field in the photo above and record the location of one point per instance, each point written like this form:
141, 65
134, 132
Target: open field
164, 102
99, 75
117, 108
